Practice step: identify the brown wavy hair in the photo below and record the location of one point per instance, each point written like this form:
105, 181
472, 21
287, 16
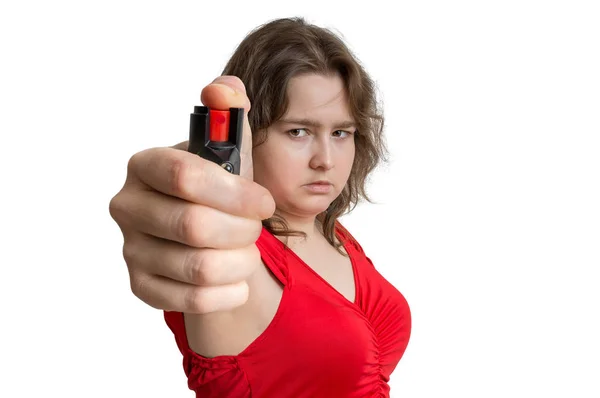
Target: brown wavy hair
281, 49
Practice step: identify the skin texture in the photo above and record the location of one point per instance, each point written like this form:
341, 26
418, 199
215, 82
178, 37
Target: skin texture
297, 153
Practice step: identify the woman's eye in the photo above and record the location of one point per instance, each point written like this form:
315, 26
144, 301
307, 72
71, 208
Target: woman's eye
341, 133
297, 132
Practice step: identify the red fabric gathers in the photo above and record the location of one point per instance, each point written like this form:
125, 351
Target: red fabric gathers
319, 344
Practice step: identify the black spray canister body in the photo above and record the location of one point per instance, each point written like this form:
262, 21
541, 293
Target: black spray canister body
217, 136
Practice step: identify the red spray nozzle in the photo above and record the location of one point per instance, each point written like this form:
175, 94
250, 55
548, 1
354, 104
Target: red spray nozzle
219, 125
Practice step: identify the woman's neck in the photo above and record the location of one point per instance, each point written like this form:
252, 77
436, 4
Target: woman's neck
309, 225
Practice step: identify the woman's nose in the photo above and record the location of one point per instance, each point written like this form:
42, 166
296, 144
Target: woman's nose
322, 157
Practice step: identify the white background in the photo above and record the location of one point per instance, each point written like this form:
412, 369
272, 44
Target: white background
487, 218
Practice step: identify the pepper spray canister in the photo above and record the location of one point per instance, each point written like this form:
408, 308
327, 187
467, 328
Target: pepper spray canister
217, 136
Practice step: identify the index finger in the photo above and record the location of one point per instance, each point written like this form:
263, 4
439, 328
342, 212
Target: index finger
189, 177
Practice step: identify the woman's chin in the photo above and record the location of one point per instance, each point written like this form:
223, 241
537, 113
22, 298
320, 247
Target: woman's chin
306, 210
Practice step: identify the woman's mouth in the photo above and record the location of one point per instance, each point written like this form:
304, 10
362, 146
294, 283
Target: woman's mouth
319, 187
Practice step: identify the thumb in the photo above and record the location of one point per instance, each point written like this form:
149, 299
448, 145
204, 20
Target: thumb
229, 92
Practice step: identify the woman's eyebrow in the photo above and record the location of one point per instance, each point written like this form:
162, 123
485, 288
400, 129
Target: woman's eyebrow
313, 123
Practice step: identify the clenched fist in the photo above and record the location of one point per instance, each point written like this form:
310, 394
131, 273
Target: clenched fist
189, 226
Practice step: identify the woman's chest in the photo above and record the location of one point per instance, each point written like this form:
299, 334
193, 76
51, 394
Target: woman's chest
327, 343
328, 268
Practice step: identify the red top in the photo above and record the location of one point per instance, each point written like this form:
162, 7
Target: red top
319, 344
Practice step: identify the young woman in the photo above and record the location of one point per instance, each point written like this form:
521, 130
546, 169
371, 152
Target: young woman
265, 291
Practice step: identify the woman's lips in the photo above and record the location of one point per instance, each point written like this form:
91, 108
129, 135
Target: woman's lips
319, 187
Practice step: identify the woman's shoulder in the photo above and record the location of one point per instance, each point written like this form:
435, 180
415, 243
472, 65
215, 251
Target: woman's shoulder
347, 238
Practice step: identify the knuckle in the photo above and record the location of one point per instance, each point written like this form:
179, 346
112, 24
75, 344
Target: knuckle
137, 161
130, 254
186, 226
116, 208
178, 175
197, 267
196, 302
139, 285
122, 207
183, 224
133, 162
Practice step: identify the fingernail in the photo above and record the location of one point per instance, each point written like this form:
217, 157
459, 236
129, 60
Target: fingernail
232, 89
231, 81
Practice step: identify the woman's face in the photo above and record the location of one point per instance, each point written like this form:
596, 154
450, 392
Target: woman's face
313, 142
